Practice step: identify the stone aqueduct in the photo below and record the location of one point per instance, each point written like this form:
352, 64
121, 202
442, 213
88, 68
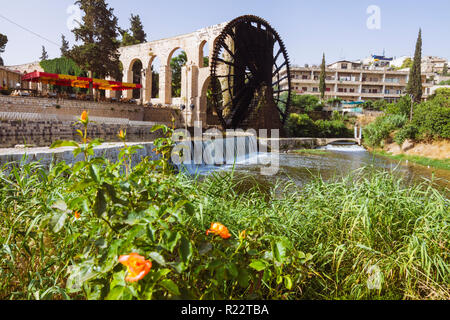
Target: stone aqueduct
195, 77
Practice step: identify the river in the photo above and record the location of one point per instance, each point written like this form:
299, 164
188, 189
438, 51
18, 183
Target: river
335, 163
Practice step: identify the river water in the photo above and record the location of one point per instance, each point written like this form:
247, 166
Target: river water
336, 162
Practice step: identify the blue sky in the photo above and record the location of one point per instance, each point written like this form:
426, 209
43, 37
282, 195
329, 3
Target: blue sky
308, 28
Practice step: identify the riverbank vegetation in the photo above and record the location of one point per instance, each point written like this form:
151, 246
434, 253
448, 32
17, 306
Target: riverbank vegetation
102, 230
308, 120
435, 163
430, 122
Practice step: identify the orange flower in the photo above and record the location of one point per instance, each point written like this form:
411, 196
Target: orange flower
77, 215
84, 117
137, 266
219, 230
243, 235
122, 135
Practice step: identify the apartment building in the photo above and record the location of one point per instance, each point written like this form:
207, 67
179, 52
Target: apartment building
354, 81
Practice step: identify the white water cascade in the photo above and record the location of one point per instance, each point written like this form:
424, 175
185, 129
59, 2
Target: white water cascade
201, 156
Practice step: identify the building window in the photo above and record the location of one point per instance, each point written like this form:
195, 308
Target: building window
352, 90
328, 89
315, 89
387, 91
305, 77
305, 89
344, 66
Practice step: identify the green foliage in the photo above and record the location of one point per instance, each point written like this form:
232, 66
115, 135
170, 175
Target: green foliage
409, 131
304, 101
415, 76
316, 242
176, 64
44, 54
432, 118
407, 63
401, 107
322, 81
3, 42
137, 29
335, 102
62, 65
64, 46
377, 105
378, 131
136, 34
98, 51
301, 125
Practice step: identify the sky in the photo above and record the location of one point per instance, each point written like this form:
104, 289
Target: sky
341, 29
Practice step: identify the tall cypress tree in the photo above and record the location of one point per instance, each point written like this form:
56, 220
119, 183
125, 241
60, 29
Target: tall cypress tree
64, 46
44, 55
445, 70
322, 83
98, 33
415, 76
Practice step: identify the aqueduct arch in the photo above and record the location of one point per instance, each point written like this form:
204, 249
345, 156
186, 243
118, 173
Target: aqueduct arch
193, 75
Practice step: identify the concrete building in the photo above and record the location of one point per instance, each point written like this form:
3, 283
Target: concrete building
432, 64
354, 81
9, 78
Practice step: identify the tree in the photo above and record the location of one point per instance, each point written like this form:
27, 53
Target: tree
64, 46
44, 55
445, 70
137, 29
414, 87
136, 34
3, 42
98, 32
407, 63
322, 83
176, 64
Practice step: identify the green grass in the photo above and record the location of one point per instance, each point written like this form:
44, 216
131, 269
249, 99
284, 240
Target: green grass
329, 240
434, 163
311, 151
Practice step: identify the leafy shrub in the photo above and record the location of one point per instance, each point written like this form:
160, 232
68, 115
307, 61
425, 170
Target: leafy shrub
409, 131
401, 107
332, 129
432, 118
376, 132
300, 125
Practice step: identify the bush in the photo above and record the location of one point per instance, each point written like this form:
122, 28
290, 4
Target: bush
402, 107
409, 131
378, 131
300, 125
432, 118
332, 129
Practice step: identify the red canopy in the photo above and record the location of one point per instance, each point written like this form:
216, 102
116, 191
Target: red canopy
78, 82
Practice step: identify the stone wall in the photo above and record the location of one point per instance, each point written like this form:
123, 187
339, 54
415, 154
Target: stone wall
67, 109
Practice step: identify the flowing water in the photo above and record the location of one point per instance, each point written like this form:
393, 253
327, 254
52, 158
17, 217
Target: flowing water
337, 161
